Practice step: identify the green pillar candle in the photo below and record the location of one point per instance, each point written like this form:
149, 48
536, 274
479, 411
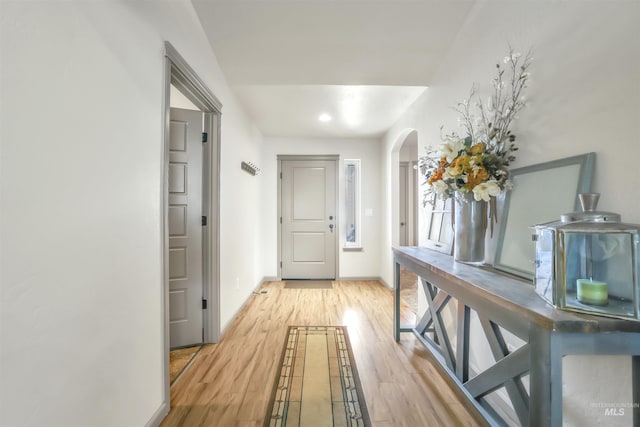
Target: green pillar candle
592, 292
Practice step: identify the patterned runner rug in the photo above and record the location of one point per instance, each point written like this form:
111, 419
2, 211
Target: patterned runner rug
318, 384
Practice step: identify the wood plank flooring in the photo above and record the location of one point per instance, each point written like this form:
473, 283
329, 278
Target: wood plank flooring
230, 382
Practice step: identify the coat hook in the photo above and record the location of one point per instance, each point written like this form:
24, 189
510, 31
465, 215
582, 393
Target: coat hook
250, 168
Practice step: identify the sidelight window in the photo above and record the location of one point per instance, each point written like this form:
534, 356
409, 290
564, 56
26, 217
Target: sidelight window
352, 203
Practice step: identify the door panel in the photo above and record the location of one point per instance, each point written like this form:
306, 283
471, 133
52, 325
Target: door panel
309, 185
177, 221
185, 228
309, 220
178, 263
177, 178
309, 247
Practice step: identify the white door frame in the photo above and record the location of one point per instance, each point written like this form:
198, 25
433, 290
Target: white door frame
395, 184
329, 157
403, 193
415, 184
411, 201
178, 72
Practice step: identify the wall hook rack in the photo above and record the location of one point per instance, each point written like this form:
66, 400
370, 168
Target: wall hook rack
250, 168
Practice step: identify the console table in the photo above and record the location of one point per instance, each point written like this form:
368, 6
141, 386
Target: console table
510, 303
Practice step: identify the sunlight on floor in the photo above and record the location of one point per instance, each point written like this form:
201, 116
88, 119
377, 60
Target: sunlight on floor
350, 318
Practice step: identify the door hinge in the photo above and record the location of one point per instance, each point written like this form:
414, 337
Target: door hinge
204, 304
205, 137
204, 220
280, 175
280, 220
280, 264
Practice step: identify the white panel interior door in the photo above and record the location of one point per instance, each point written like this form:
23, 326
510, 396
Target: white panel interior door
404, 173
309, 221
185, 228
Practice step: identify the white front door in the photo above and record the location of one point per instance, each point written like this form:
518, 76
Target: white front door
185, 228
309, 219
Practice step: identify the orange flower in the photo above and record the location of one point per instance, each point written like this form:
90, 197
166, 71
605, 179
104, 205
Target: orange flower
474, 179
436, 176
477, 148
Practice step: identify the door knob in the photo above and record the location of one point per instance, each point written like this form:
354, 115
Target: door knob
331, 227
402, 224
330, 217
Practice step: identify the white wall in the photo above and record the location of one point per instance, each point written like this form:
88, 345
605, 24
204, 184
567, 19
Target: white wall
82, 120
583, 97
352, 263
178, 100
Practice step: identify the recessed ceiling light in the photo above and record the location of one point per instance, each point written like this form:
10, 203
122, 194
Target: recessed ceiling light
324, 117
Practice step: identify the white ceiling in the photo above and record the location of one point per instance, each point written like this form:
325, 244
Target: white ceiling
364, 62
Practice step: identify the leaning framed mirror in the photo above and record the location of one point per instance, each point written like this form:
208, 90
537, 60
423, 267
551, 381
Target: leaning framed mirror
439, 228
541, 193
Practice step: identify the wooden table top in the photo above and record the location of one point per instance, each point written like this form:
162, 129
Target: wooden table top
498, 291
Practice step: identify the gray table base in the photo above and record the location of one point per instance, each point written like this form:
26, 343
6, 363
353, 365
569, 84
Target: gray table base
511, 304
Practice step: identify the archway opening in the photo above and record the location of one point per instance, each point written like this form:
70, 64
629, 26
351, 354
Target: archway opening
406, 204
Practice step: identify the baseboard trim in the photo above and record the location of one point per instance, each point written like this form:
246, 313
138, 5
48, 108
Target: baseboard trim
376, 278
159, 415
385, 283
359, 278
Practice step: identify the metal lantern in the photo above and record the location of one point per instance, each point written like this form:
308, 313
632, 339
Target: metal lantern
588, 262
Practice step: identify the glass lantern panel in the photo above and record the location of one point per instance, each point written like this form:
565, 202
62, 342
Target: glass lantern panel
598, 273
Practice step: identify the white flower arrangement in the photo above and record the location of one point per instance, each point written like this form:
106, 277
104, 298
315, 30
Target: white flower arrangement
478, 162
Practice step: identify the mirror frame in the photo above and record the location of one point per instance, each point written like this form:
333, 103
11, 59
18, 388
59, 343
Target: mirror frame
586, 164
442, 208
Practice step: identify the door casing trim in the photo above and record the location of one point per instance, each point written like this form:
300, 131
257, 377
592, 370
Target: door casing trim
178, 72
327, 157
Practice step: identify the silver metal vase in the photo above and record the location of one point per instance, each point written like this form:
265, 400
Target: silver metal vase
470, 227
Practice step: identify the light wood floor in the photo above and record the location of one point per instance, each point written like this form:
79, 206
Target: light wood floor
409, 288
230, 382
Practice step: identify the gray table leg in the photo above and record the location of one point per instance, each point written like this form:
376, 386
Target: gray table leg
635, 378
462, 339
545, 404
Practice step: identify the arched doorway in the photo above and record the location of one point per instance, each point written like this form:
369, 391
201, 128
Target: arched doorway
405, 208
408, 191
405, 186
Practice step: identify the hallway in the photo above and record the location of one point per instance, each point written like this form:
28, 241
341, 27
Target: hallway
229, 384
